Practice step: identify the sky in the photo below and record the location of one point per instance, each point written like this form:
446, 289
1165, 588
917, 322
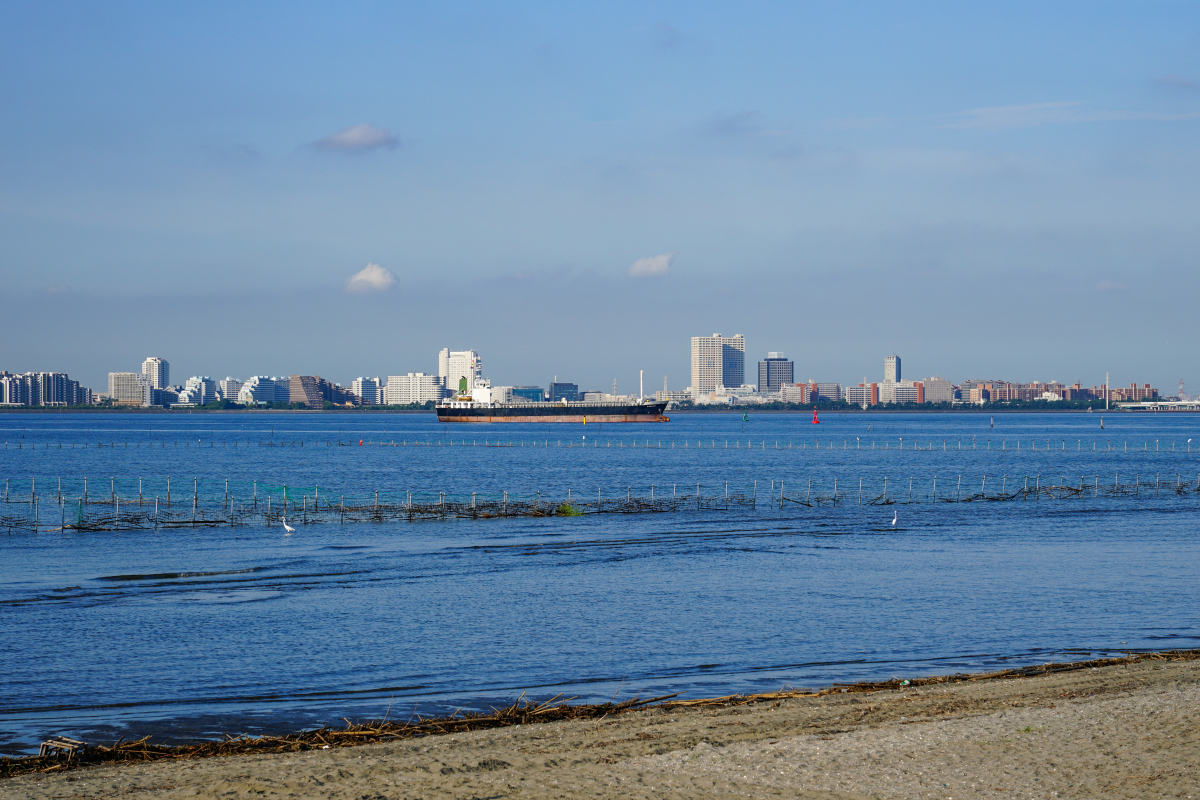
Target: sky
990, 190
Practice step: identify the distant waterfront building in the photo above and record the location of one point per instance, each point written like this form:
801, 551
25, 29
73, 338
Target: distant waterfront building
563, 391
158, 371
891, 369
230, 389
283, 389
798, 393
938, 390
674, 397
865, 394
257, 391
500, 394
314, 392
830, 391
165, 397
534, 394
368, 390
42, 389
717, 361
130, 389
454, 365
907, 392
774, 373
198, 390
306, 389
415, 387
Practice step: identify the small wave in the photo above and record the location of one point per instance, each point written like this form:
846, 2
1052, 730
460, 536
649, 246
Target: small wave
163, 576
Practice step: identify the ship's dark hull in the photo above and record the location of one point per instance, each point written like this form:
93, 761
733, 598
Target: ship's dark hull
552, 412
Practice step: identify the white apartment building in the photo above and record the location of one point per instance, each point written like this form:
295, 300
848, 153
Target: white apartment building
158, 371
717, 361
862, 395
198, 391
415, 387
368, 390
454, 365
257, 391
796, 393
130, 389
230, 388
42, 389
895, 391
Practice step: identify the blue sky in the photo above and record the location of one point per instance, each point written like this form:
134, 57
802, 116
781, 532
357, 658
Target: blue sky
990, 190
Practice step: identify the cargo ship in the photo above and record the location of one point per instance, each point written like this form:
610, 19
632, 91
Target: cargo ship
476, 406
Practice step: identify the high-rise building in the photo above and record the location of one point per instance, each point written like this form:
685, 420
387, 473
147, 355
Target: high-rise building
865, 394
158, 371
283, 389
42, 389
415, 387
198, 390
130, 389
717, 361
230, 388
258, 390
774, 373
453, 365
563, 391
368, 390
938, 390
891, 369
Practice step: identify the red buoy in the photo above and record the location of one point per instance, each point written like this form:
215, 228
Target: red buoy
815, 420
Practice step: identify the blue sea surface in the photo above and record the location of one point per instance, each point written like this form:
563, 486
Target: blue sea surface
190, 632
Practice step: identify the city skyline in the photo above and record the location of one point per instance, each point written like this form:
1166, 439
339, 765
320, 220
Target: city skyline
718, 377
155, 365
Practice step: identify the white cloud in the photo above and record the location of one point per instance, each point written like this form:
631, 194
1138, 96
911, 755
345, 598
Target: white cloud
359, 138
653, 267
1107, 286
371, 278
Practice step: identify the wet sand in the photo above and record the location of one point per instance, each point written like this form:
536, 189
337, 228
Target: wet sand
1116, 732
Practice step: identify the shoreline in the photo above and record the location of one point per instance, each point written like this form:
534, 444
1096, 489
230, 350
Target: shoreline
598, 744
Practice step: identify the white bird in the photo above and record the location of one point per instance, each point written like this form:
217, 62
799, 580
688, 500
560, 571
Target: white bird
895, 516
287, 527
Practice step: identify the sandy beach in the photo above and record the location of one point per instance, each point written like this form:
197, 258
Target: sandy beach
1114, 732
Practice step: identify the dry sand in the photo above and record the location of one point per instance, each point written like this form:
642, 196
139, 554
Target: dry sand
1124, 731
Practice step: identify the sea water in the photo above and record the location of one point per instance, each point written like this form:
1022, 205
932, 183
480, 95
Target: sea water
190, 632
